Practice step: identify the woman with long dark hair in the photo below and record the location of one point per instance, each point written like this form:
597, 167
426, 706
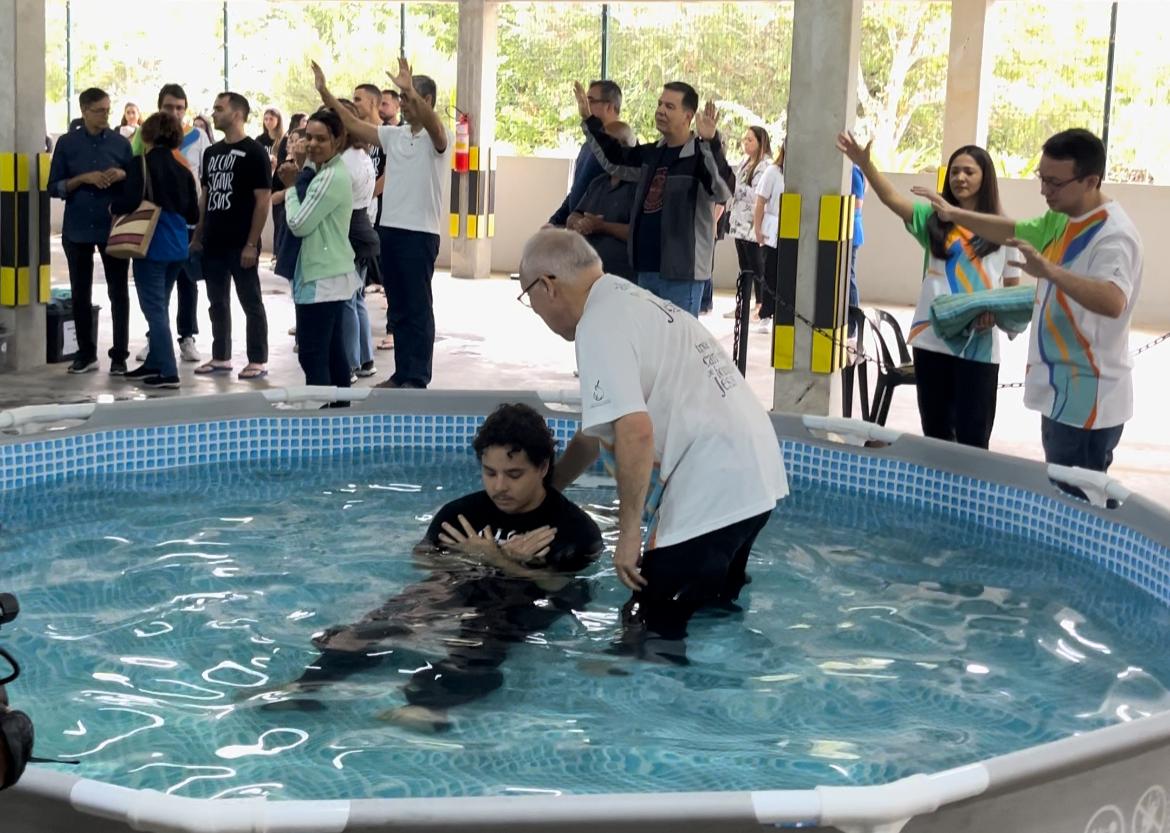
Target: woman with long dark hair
172, 189
956, 378
324, 278
757, 151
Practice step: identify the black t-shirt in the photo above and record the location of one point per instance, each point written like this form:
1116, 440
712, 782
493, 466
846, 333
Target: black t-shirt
231, 175
648, 244
265, 141
378, 157
577, 541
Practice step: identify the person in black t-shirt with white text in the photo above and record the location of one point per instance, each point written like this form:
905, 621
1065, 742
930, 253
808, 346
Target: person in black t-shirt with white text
233, 207
503, 562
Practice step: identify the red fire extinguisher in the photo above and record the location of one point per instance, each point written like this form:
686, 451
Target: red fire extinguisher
462, 143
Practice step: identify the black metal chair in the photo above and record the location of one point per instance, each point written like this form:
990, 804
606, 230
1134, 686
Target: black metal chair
856, 368
891, 373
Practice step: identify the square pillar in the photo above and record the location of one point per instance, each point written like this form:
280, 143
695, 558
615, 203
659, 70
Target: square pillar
969, 62
816, 211
22, 132
473, 191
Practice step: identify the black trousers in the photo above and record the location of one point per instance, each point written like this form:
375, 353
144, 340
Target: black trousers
770, 282
956, 397
187, 317
220, 270
707, 571
751, 259
79, 257
321, 343
408, 265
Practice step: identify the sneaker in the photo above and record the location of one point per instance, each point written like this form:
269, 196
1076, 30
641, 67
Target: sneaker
187, 351
171, 382
141, 355
366, 370
83, 366
117, 367
764, 325
292, 331
142, 372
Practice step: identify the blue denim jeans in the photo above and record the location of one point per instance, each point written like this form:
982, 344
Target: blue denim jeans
1067, 445
153, 280
359, 341
687, 295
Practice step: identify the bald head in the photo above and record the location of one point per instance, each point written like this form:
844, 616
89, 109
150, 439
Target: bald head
561, 254
622, 132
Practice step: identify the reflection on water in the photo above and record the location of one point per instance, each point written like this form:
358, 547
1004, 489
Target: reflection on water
162, 612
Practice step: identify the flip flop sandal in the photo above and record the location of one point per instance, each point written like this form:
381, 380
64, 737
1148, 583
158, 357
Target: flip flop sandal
386, 344
208, 369
251, 375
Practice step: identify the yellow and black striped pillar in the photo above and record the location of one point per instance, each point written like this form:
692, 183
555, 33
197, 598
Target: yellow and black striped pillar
784, 316
15, 287
830, 316
480, 194
44, 226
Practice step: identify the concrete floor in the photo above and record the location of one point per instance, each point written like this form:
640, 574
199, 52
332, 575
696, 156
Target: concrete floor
486, 340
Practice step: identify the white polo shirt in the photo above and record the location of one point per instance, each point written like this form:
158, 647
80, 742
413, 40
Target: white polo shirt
413, 195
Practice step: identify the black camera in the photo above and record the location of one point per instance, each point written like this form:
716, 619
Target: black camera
16, 730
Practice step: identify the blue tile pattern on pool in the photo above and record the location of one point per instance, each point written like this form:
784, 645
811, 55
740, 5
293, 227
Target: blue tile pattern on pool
1034, 517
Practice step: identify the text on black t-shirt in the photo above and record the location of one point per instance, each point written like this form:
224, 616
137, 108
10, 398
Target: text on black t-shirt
231, 176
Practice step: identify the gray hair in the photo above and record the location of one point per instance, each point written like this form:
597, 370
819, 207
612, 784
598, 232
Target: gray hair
560, 253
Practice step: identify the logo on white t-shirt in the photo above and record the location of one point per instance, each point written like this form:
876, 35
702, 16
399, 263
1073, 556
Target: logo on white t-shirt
719, 370
598, 392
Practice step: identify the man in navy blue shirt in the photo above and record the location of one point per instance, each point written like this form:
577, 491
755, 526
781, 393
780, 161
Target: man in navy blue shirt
605, 102
86, 162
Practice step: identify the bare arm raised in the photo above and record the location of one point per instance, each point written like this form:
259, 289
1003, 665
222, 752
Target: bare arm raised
354, 126
886, 192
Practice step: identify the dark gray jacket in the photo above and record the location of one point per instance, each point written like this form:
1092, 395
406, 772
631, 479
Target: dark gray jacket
698, 181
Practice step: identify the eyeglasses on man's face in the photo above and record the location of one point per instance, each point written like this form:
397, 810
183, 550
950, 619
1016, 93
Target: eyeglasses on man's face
1054, 184
525, 297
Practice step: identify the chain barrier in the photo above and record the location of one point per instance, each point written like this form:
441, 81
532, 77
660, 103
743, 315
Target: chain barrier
860, 355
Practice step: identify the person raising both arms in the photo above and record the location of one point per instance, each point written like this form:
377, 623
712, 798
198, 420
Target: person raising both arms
957, 378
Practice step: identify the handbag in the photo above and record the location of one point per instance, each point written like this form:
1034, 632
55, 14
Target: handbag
130, 234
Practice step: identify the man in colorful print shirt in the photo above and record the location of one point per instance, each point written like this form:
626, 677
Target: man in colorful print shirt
1087, 257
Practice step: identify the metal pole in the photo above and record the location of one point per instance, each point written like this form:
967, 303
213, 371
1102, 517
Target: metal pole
402, 29
604, 41
1109, 77
68, 63
226, 72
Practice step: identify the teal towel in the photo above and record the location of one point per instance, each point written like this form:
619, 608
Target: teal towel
952, 315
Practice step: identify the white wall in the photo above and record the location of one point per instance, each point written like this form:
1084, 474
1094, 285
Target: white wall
889, 265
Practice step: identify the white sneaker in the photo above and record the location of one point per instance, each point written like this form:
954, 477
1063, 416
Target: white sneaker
187, 349
141, 355
764, 325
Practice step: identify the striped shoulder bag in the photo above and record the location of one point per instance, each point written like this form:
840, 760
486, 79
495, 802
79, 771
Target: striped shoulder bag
130, 235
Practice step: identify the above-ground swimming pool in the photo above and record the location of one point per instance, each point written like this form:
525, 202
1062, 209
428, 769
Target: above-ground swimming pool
934, 636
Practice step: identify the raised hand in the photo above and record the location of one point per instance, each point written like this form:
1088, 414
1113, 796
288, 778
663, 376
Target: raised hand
287, 173
847, 143
942, 208
582, 100
403, 78
706, 122
1034, 263
318, 78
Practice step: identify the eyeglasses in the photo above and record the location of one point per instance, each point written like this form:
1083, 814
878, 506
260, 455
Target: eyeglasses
1056, 184
524, 297
593, 100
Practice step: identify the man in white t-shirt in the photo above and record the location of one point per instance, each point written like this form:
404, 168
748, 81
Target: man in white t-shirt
1087, 256
692, 449
417, 159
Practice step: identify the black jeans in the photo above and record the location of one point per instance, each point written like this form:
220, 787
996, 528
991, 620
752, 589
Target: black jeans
321, 345
219, 271
751, 259
187, 318
956, 397
770, 282
79, 257
408, 265
707, 571
1086, 448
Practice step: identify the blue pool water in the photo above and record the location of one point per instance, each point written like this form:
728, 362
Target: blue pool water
876, 641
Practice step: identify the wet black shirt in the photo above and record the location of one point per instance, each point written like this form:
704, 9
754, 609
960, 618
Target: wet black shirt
577, 541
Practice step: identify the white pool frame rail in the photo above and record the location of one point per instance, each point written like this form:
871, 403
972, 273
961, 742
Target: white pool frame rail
1087, 782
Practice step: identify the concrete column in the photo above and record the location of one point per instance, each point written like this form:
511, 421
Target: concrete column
475, 94
22, 130
822, 102
965, 122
